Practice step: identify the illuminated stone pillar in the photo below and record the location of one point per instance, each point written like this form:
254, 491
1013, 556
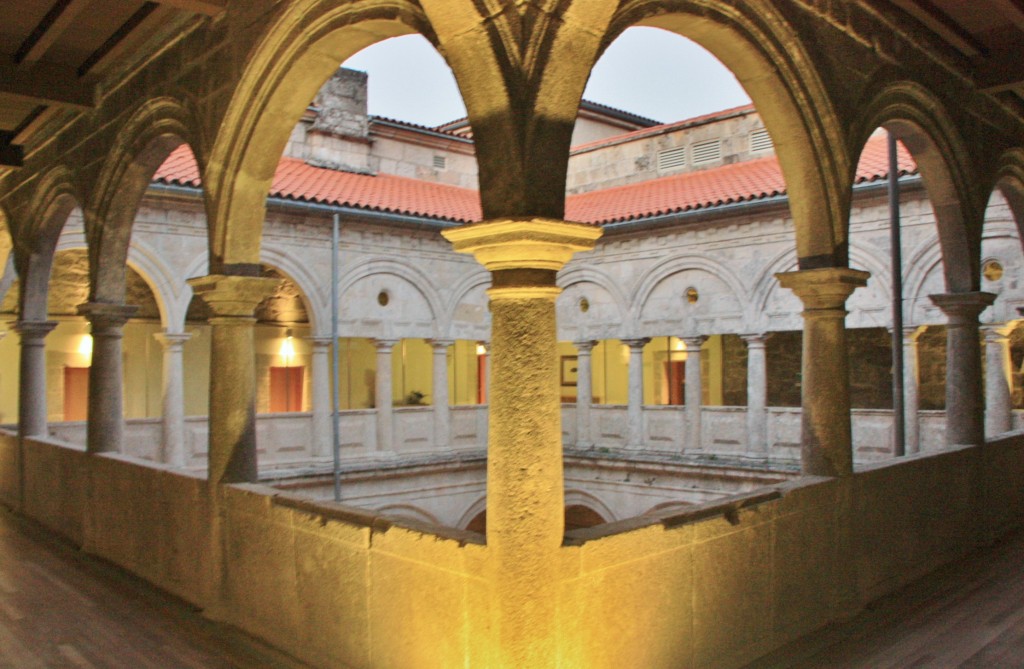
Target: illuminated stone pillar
32, 376
173, 421
694, 392
105, 429
442, 410
998, 380
826, 443
525, 505
635, 393
383, 400
321, 400
584, 392
757, 391
232, 423
965, 399
911, 389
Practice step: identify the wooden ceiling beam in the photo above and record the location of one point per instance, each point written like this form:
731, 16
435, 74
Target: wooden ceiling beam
206, 7
1012, 10
47, 84
11, 154
936, 20
60, 17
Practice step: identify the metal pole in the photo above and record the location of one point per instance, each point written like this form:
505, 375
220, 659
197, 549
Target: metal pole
899, 420
336, 367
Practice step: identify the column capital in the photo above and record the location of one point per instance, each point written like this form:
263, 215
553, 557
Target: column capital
523, 243
911, 333
33, 329
440, 343
171, 340
755, 339
693, 342
584, 346
233, 296
385, 344
998, 332
825, 288
963, 308
635, 344
103, 315
319, 341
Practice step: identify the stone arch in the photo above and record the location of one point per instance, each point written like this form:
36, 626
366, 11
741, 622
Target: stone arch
764, 52
52, 202
150, 134
408, 512
1010, 182
300, 48
921, 267
870, 306
464, 319
607, 310
312, 292
419, 318
166, 285
705, 272
576, 497
922, 124
6, 241
767, 291
471, 512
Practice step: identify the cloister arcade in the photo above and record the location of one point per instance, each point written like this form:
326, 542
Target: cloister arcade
552, 303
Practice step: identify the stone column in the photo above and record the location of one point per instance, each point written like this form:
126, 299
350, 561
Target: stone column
998, 380
635, 408
584, 392
757, 390
383, 400
911, 389
323, 432
32, 377
694, 392
525, 502
442, 410
105, 429
826, 443
965, 399
173, 422
232, 423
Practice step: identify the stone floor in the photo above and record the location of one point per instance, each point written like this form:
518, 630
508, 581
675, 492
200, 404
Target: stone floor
969, 614
62, 608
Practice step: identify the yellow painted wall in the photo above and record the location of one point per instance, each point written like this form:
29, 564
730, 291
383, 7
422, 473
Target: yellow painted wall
610, 364
412, 368
358, 363
9, 377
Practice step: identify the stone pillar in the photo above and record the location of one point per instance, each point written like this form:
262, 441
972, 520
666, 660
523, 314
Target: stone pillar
105, 430
635, 408
383, 400
32, 377
232, 423
173, 422
694, 392
826, 443
998, 380
911, 389
584, 392
323, 432
525, 503
442, 410
757, 390
965, 399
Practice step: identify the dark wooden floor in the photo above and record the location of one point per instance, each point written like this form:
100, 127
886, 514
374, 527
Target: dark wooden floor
61, 608
969, 615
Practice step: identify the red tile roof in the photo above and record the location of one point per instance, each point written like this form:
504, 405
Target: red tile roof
740, 182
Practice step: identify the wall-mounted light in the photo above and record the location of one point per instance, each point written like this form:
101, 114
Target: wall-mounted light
481, 349
85, 347
288, 349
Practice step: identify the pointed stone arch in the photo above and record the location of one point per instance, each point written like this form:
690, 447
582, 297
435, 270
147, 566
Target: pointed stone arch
301, 46
1010, 182
923, 125
764, 51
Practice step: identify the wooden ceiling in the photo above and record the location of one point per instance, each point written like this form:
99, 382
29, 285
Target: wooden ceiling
52, 52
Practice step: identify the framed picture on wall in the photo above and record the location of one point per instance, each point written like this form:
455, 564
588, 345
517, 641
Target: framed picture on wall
570, 370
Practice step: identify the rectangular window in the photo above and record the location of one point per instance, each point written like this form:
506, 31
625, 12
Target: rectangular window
76, 393
286, 385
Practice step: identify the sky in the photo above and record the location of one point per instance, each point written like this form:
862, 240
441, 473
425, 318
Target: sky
646, 71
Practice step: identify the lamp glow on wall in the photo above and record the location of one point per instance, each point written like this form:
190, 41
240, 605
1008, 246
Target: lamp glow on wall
481, 349
85, 349
288, 349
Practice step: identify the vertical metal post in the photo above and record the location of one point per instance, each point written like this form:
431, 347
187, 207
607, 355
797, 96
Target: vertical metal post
899, 419
335, 417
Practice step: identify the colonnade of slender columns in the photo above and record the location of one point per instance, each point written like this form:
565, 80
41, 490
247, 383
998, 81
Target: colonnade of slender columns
965, 400
232, 423
584, 391
911, 389
173, 423
757, 391
439, 401
105, 430
635, 393
694, 392
383, 388
998, 380
320, 369
32, 376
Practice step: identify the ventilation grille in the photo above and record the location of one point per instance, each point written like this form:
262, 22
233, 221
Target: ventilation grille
707, 152
440, 162
760, 140
671, 159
